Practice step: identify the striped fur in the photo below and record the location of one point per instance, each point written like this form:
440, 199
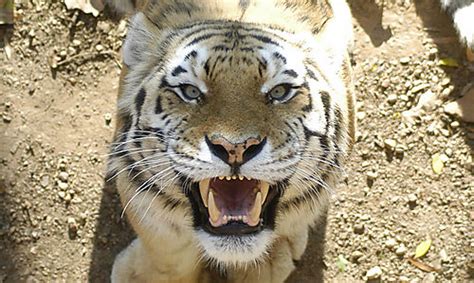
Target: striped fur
234, 52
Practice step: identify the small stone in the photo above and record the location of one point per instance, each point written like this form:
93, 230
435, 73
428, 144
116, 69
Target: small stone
371, 175
392, 99
400, 149
404, 279
63, 176
412, 198
374, 273
401, 250
445, 81
360, 115
44, 182
359, 228
390, 243
454, 124
429, 278
444, 256
390, 144
72, 226
404, 60
385, 83
61, 194
6, 118
99, 47
449, 152
356, 255
62, 185
107, 118
76, 42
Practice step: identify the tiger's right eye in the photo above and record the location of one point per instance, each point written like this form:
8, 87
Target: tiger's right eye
191, 92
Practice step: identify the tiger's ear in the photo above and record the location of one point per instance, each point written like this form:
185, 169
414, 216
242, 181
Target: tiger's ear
138, 44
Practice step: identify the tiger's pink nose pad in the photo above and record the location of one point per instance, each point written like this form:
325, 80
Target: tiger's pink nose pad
235, 154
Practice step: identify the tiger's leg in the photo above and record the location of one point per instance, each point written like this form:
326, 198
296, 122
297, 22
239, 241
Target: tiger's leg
141, 263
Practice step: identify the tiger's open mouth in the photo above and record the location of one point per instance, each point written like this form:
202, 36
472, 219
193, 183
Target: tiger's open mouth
234, 205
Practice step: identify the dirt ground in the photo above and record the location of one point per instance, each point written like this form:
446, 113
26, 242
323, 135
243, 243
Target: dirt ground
58, 222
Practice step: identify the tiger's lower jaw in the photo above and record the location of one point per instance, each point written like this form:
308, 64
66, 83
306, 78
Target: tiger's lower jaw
243, 231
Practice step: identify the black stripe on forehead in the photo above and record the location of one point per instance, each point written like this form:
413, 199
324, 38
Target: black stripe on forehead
280, 57
178, 70
139, 100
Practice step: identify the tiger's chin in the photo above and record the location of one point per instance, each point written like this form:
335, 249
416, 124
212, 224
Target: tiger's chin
235, 251
234, 217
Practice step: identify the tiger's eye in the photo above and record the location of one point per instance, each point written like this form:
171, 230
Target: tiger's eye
279, 92
192, 92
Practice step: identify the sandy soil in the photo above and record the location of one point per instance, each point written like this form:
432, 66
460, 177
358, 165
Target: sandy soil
58, 221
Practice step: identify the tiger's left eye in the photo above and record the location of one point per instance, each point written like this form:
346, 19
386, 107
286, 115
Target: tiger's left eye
191, 92
280, 92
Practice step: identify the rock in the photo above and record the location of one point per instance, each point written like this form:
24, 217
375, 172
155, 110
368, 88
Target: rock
385, 83
360, 115
429, 278
390, 144
444, 256
44, 182
61, 194
359, 228
107, 118
72, 226
99, 48
404, 279
401, 250
404, 60
63, 176
356, 255
392, 99
462, 107
76, 42
374, 273
412, 199
391, 243
372, 175
62, 185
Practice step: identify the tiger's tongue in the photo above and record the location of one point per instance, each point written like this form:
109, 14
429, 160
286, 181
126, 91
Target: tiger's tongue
234, 200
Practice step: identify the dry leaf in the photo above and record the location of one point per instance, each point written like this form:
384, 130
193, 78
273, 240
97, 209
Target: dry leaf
437, 163
422, 248
87, 6
422, 266
448, 62
341, 263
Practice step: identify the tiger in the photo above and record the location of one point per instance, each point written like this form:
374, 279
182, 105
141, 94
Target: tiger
234, 120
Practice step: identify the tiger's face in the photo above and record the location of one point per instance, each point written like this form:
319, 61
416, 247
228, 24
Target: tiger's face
233, 124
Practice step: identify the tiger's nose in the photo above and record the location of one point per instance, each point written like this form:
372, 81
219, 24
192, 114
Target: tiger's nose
235, 154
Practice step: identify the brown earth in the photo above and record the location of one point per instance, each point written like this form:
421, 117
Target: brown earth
58, 94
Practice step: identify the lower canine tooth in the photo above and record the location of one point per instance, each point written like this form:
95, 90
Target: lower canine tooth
214, 212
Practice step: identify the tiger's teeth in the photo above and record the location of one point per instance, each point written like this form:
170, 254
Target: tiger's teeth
241, 177
248, 178
228, 178
234, 177
254, 213
264, 187
204, 190
221, 177
214, 212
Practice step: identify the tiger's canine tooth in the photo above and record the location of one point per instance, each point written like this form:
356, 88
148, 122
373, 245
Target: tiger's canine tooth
221, 177
228, 178
214, 212
204, 190
234, 177
241, 177
264, 187
254, 213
